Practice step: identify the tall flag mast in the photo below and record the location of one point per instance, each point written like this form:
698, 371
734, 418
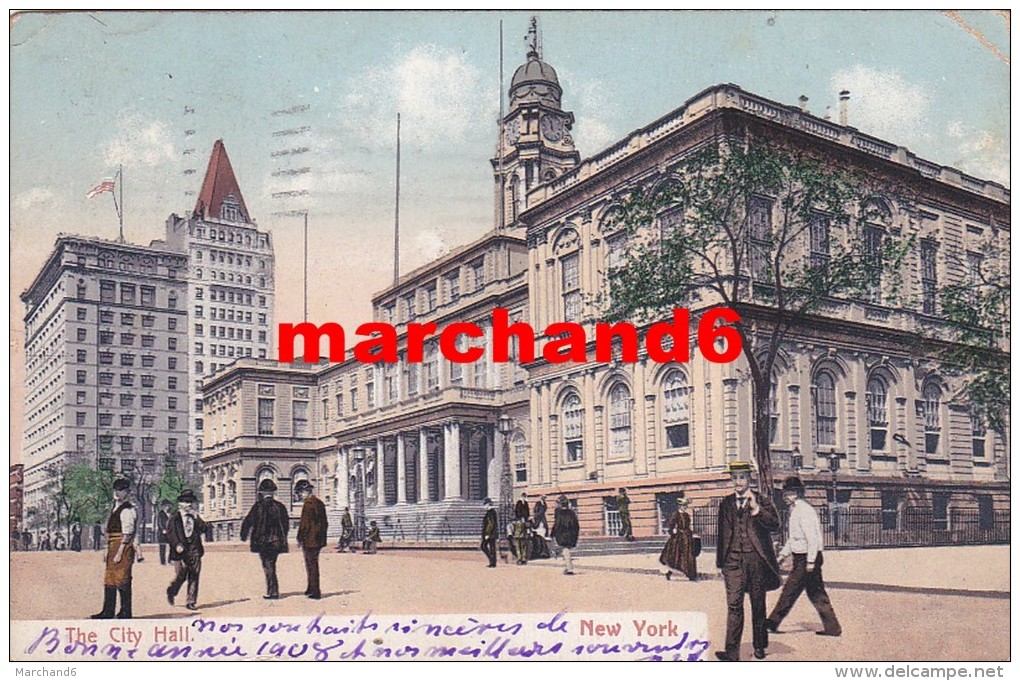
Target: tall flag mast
396, 215
111, 187
502, 125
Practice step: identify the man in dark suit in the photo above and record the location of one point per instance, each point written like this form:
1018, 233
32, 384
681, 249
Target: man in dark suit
184, 534
162, 522
311, 535
490, 526
267, 523
747, 558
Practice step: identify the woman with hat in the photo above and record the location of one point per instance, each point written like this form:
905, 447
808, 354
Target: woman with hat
267, 523
184, 537
679, 552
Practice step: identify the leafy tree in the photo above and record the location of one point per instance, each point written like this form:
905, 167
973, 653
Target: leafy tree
85, 493
773, 233
978, 311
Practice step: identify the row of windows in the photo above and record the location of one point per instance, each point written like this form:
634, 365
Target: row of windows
233, 333
105, 419
425, 299
231, 236
127, 380
130, 294
125, 445
230, 315
225, 296
126, 319
127, 359
232, 278
146, 266
226, 257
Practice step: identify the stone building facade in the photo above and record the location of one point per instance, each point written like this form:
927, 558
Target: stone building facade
106, 333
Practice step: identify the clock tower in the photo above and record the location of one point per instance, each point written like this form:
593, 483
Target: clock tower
536, 145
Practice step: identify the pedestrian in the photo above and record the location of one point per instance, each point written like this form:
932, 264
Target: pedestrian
346, 532
539, 516
97, 537
564, 532
44, 539
521, 509
26, 540
747, 559
373, 539
184, 535
623, 508
489, 529
76, 537
162, 522
805, 544
521, 540
311, 535
267, 523
120, 554
679, 552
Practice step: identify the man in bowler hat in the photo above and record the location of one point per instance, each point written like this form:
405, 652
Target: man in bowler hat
747, 559
184, 536
267, 523
490, 525
311, 535
120, 554
805, 545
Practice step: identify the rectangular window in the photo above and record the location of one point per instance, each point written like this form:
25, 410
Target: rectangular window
105, 357
148, 295
82, 335
148, 321
106, 316
80, 377
476, 272
79, 397
148, 445
818, 230
127, 400
127, 360
171, 422
105, 420
79, 418
148, 341
107, 292
430, 297
148, 381
940, 511
127, 420
570, 276
107, 464
171, 325
127, 320
299, 422
105, 378
977, 434
873, 238
79, 443
83, 356
986, 512
127, 339
354, 400
453, 286
890, 511
148, 401
171, 403
171, 343
148, 361
127, 294
82, 314
105, 399
409, 306
127, 380
265, 424
148, 421
759, 218
929, 276
370, 387
171, 383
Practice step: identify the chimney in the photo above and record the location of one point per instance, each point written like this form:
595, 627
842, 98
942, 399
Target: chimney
803, 103
844, 102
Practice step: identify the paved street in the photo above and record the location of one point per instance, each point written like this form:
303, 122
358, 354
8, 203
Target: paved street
902, 604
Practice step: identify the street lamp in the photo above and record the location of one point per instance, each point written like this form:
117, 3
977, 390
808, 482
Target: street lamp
505, 424
359, 493
833, 460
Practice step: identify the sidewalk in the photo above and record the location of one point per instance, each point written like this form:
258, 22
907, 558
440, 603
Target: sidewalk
983, 570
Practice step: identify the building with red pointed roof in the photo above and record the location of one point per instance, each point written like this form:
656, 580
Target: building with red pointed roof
231, 283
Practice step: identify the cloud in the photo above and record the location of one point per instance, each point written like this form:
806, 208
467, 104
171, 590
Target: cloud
884, 103
594, 110
440, 96
139, 141
981, 153
37, 196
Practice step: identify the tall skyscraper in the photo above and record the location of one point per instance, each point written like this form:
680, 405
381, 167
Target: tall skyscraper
230, 281
106, 382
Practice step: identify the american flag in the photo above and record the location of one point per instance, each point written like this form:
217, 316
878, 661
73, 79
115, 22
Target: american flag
104, 186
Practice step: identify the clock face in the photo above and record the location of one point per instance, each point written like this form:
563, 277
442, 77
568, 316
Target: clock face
513, 131
552, 127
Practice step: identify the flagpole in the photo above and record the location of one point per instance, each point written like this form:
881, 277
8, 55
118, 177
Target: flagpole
119, 206
396, 215
502, 176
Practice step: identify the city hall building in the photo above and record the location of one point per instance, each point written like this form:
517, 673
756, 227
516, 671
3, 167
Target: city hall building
868, 421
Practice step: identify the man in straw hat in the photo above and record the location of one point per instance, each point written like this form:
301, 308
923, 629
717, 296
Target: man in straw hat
184, 537
267, 522
120, 554
311, 535
805, 545
747, 559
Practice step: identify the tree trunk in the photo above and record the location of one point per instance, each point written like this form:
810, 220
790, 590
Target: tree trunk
761, 428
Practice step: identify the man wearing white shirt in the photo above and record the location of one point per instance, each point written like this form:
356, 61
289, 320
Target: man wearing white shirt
120, 554
805, 544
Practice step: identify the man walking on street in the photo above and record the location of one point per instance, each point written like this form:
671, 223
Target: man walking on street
267, 523
162, 522
747, 559
184, 533
311, 535
565, 530
346, 532
805, 545
489, 530
539, 516
120, 554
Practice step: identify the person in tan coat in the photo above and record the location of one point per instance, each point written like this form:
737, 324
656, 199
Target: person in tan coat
311, 535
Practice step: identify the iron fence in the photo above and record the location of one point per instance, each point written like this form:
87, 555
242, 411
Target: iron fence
857, 528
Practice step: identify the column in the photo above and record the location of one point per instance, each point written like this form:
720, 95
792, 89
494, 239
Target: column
451, 460
401, 471
380, 485
343, 476
423, 466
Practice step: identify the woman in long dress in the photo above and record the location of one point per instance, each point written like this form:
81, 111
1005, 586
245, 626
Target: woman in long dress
678, 554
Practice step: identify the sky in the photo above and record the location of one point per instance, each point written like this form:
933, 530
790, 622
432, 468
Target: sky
152, 92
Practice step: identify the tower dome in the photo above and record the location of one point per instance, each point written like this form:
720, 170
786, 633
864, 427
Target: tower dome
535, 81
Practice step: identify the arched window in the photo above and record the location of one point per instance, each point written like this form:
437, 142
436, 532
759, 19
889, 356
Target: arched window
877, 399
677, 415
573, 428
824, 403
296, 476
930, 408
619, 421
